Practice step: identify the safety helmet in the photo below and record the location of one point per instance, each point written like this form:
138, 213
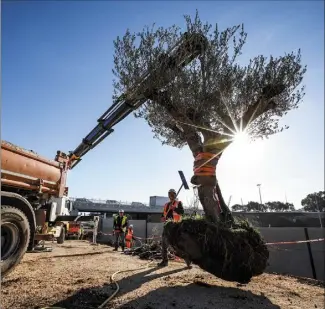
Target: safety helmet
172, 191
131, 226
121, 211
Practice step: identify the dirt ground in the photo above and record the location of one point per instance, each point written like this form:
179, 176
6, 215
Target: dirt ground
77, 275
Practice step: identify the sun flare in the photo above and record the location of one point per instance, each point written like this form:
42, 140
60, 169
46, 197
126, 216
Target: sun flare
243, 152
241, 138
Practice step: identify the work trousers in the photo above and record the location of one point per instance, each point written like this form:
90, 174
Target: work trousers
95, 236
119, 237
164, 247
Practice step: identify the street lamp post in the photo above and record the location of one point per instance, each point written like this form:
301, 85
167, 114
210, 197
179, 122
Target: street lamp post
229, 200
259, 190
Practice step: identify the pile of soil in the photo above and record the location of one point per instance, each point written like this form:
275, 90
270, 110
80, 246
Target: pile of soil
233, 254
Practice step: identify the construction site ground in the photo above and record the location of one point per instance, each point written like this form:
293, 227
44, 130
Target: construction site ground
77, 275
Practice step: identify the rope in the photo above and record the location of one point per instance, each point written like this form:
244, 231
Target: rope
294, 242
117, 285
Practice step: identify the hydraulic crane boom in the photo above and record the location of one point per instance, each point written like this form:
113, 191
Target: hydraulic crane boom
184, 52
34, 197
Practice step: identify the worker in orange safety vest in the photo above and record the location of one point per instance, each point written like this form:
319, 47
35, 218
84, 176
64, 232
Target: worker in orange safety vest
173, 210
129, 237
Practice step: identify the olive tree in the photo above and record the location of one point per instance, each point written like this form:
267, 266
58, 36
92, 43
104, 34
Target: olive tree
211, 99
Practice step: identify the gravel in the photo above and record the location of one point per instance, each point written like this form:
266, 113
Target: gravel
77, 275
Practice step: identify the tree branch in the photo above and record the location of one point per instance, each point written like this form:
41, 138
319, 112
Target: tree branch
261, 106
191, 136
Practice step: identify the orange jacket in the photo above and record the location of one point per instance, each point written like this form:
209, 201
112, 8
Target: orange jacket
129, 235
128, 238
173, 210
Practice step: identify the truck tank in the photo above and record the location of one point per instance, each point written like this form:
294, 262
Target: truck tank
23, 169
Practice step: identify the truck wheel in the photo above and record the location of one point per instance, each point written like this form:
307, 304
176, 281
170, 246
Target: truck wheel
15, 235
61, 238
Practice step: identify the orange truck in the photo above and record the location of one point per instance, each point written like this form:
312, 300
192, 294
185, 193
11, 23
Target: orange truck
34, 202
34, 196
75, 230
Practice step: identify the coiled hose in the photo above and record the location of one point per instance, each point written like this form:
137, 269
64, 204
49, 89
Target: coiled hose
117, 285
112, 280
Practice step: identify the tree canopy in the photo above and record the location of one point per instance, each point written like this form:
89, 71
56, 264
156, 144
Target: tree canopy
214, 96
275, 206
314, 202
208, 100
279, 206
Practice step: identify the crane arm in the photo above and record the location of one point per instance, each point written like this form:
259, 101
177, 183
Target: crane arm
185, 51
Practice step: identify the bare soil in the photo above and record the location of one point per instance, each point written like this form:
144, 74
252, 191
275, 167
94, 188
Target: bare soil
77, 275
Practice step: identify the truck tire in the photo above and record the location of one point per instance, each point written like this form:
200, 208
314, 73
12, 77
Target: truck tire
15, 236
61, 238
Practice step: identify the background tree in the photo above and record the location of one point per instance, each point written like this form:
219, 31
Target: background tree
279, 206
254, 206
211, 99
239, 208
269, 206
314, 202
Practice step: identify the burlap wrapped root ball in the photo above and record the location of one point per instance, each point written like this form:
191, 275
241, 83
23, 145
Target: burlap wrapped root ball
232, 254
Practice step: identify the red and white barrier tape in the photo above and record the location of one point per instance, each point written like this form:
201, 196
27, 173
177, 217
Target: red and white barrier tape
155, 237
268, 243
110, 234
294, 242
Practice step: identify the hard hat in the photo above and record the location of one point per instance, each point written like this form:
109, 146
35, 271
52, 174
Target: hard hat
172, 191
121, 211
131, 226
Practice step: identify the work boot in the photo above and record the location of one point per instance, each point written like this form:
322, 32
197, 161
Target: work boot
115, 249
163, 263
188, 263
123, 249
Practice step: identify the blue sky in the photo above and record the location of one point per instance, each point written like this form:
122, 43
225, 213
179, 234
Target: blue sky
57, 58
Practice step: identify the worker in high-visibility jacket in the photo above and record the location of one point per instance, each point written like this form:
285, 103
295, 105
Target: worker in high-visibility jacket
173, 210
129, 237
120, 225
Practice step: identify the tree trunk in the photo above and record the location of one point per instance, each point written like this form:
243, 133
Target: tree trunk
209, 191
226, 214
209, 204
214, 206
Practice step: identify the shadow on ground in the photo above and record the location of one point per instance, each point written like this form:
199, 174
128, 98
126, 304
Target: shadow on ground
191, 296
312, 282
91, 298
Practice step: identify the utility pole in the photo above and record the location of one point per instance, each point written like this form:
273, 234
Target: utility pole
229, 200
242, 202
259, 190
285, 195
